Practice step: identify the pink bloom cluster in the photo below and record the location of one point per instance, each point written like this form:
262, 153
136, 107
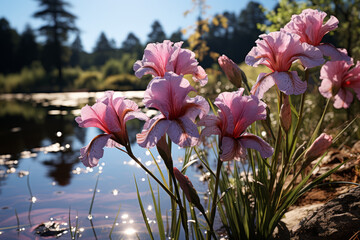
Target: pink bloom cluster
338, 78
277, 51
236, 114
309, 26
160, 58
110, 115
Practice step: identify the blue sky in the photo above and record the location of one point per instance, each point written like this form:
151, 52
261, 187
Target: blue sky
119, 17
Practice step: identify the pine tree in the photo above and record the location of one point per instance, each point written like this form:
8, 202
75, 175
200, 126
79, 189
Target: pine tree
59, 22
157, 33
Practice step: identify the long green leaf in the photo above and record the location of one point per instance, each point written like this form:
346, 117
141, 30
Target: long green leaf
143, 211
113, 226
93, 197
157, 213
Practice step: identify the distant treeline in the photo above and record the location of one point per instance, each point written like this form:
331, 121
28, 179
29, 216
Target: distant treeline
27, 65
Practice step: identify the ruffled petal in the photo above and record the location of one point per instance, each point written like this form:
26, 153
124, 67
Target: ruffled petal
200, 76
325, 88
93, 116
196, 106
183, 132
263, 83
336, 54
343, 99
289, 82
229, 149
152, 131
167, 94
248, 140
91, 154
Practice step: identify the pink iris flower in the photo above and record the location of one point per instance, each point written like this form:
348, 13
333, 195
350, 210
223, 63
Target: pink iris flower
309, 26
160, 58
236, 114
169, 95
110, 115
338, 78
277, 51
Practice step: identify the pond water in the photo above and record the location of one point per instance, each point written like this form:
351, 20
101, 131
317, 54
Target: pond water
42, 179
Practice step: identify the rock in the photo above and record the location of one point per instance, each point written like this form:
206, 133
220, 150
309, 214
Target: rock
337, 219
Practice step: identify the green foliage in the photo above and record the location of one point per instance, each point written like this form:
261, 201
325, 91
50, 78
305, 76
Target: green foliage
281, 15
111, 67
90, 80
23, 81
70, 75
121, 82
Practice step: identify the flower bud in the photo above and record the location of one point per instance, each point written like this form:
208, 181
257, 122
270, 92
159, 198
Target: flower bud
232, 71
285, 114
318, 147
188, 189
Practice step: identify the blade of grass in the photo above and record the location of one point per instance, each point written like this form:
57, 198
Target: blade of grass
157, 212
93, 197
116, 217
143, 211
17, 220
71, 234
342, 131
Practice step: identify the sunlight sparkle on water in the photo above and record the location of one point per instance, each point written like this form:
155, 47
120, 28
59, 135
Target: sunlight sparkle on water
124, 216
115, 192
149, 208
130, 231
33, 199
59, 134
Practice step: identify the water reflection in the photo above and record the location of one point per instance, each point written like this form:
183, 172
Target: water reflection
28, 126
42, 141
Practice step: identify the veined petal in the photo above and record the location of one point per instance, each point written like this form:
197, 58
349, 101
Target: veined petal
229, 149
91, 154
167, 94
200, 76
248, 140
289, 82
93, 116
263, 83
153, 130
325, 88
310, 56
196, 106
183, 132
336, 54
343, 99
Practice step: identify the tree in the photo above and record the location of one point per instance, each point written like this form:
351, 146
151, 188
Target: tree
132, 45
102, 44
176, 36
28, 50
103, 50
157, 33
76, 50
59, 22
9, 40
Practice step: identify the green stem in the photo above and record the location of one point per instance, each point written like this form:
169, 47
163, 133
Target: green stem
129, 152
298, 124
214, 201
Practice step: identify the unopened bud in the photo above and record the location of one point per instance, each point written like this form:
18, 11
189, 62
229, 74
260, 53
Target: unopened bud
285, 114
188, 189
232, 71
318, 147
